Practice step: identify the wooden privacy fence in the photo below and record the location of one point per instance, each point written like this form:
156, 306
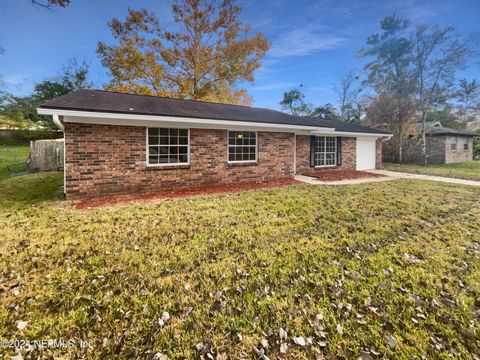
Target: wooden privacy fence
46, 155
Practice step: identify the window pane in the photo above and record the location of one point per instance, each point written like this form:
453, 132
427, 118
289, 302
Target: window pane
163, 145
153, 140
164, 140
242, 146
163, 159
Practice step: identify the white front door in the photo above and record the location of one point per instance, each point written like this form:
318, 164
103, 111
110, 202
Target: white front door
366, 154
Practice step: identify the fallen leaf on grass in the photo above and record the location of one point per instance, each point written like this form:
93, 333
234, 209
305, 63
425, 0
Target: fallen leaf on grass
299, 340
21, 324
391, 341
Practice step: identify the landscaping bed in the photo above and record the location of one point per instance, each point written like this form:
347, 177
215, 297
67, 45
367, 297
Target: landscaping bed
123, 199
338, 175
379, 270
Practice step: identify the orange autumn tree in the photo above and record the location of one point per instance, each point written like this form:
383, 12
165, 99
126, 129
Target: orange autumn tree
204, 59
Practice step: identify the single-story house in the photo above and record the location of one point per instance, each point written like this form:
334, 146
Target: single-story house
443, 145
122, 143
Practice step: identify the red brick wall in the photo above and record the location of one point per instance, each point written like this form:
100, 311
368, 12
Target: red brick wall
349, 155
104, 159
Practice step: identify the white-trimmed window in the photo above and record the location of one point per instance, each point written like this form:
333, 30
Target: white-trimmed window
167, 146
325, 151
242, 146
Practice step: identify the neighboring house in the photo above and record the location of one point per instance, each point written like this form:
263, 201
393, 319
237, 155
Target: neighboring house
443, 145
121, 143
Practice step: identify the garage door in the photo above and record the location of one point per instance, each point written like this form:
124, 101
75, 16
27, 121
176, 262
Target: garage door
365, 154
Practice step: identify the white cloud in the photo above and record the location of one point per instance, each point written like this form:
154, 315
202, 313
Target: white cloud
304, 41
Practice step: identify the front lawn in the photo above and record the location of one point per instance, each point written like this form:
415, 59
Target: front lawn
467, 170
387, 270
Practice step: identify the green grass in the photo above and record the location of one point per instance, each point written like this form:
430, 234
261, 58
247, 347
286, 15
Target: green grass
14, 157
393, 259
467, 170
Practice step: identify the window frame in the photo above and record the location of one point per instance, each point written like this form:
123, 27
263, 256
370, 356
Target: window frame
325, 152
466, 146
454, 146
242, 161
147, 160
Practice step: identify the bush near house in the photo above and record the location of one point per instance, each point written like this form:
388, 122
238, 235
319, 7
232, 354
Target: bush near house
23, 136
388, 270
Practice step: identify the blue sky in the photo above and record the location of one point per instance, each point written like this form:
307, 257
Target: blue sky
313, 42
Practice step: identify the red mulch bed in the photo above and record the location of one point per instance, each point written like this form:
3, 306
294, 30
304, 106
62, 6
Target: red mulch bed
336, 175
123, 199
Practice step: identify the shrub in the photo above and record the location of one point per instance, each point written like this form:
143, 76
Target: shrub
23, 137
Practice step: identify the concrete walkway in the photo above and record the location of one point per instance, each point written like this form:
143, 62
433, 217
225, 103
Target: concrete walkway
387, 175
403, 175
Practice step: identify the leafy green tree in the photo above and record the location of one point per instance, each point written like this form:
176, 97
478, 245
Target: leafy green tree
447, 117
389, 73
210, 51
294, 102
23, 109
326, 111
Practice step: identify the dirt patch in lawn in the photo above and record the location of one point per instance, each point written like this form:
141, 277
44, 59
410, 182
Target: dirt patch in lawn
337, 175
200, 191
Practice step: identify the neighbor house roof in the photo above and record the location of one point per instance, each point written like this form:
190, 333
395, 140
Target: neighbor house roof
450, 131
121, 103
436, 128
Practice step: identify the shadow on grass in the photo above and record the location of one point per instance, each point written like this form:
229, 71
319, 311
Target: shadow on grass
30, 189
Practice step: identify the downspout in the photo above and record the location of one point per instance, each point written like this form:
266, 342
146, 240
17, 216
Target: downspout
58, 124
294, 154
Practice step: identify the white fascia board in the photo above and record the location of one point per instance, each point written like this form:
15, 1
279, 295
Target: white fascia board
88, 117
349, 134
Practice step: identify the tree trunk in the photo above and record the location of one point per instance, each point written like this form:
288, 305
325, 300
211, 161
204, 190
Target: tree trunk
424, 137
400, 146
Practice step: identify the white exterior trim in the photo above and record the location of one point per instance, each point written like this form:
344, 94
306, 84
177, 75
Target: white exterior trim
88, 117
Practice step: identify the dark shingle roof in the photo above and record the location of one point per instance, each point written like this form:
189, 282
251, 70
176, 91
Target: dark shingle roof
114, 102
449, 131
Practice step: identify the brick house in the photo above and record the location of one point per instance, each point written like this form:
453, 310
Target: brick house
121, 143
443, 145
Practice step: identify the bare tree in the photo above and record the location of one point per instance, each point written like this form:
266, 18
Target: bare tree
347, 93
436, 56
468, 95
